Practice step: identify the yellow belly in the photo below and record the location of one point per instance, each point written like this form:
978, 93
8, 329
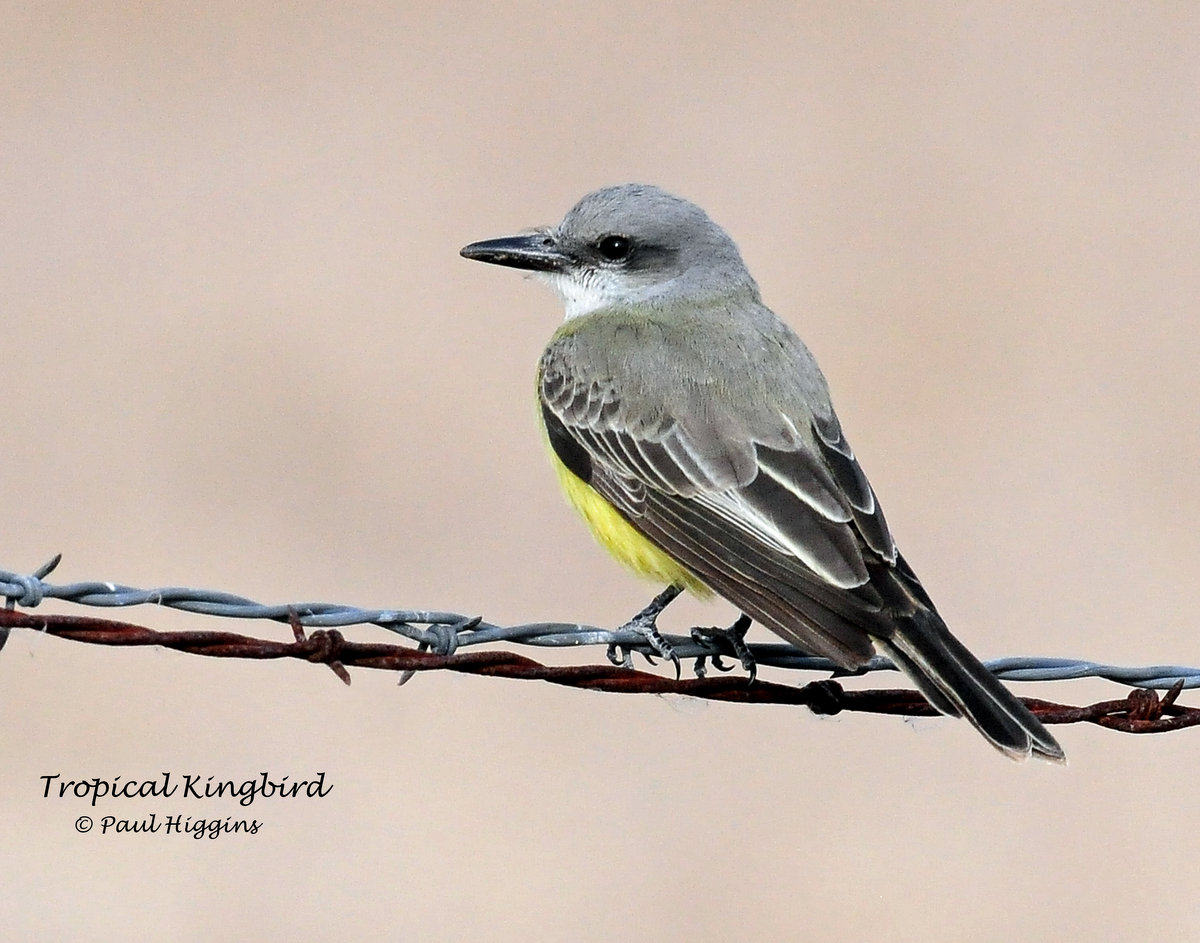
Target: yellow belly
618, 537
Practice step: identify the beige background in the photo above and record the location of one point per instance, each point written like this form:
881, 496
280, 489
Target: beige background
241, 352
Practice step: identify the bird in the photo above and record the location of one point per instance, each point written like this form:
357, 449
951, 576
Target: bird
694, 432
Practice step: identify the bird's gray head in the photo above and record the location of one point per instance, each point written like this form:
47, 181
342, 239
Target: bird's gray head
628, 244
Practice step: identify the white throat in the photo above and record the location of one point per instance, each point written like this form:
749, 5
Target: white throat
581, 296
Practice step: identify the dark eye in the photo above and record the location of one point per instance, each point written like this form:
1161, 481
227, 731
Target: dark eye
614, 248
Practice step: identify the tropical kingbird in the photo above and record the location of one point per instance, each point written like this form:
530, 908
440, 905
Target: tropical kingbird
694, 432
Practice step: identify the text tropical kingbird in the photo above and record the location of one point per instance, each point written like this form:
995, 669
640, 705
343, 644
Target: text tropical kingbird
694, 432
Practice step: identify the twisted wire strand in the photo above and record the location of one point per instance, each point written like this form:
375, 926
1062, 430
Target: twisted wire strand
443, 633
1140, 712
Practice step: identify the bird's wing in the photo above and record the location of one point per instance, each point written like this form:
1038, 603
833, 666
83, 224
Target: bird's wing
788, 531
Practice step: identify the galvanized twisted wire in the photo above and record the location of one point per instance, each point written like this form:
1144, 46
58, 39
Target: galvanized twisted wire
445, 632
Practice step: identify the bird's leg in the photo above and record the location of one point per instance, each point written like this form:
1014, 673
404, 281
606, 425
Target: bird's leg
735, 635
644, 623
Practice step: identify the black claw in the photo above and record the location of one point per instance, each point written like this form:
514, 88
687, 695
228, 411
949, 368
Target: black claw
708, 638
662, 647
735, 636
619, 656
644, 624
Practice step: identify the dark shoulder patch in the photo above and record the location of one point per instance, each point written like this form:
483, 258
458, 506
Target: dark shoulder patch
569, 452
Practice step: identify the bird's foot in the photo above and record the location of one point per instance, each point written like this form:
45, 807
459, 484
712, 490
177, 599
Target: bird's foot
644, 624
735, 636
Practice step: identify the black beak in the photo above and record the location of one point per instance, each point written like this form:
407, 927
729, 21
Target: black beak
536, 252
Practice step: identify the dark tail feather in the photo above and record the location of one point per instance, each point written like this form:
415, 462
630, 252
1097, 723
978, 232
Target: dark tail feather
954, 681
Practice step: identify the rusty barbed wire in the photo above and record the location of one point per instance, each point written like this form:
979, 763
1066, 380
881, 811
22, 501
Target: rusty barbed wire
1142, 711
445, 632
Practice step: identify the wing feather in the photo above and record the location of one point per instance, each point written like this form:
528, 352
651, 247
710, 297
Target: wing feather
828, 547
851, 480
807, 478
779, 520
761, 581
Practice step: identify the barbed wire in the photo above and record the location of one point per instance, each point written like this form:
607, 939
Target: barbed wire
1142, 711
446, 632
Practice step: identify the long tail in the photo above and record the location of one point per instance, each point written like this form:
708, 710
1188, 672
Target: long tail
956, 683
